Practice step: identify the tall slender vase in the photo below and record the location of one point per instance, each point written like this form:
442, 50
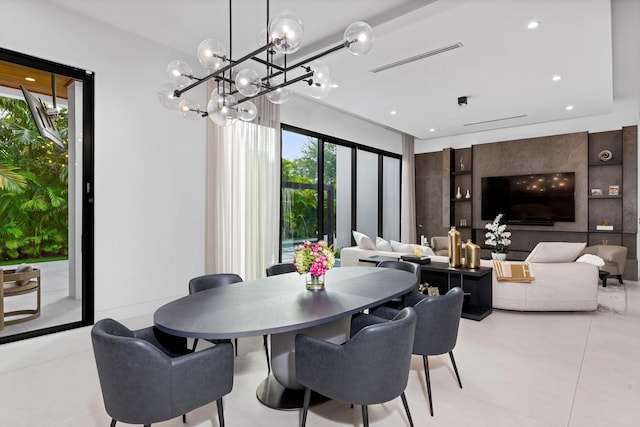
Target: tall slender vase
455, 248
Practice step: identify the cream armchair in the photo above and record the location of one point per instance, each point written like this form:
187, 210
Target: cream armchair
440, 245
614, 258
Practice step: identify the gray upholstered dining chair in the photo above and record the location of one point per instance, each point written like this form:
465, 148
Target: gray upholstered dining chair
274, 270
371, 368
412, 268
209, 281
282, 268
436, 330
147, 376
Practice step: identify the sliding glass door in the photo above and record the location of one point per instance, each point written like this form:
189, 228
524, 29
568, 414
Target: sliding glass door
331, 187
46, 194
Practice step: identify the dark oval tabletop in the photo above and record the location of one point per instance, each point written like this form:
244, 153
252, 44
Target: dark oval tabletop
280, 303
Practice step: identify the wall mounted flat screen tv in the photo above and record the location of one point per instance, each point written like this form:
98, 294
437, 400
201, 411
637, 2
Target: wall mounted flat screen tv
537, 199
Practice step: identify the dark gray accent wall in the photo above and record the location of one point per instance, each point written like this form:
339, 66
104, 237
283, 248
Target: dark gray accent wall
429, 177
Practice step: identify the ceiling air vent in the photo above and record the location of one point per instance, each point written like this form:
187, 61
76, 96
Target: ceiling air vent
495, 120
417, 57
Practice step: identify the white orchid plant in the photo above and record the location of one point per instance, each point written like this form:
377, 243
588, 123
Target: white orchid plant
497, 236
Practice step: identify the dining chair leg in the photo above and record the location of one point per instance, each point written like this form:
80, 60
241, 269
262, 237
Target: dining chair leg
406, 408
113, 422
455, 368
236, 346
266, 352
184, 418
220, 412
195, 343
365, 416
426, 374
305, 406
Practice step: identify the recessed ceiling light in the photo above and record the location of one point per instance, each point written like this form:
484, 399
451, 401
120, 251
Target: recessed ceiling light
30, 79
394, 112
432, 130
556, 78
334, 85
569, 107
533, 24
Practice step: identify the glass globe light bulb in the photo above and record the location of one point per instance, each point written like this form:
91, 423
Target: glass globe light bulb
248, 82
189, 109
279, 96
262, 37
358, 38
247, 111
212, 55
285, 30
167, 98
178, 72
320, 88
320, 70
220, 111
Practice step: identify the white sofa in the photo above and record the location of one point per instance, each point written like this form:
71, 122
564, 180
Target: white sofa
558, 286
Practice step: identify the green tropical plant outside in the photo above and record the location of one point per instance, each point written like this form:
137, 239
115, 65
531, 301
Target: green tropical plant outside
299, 219
33, 186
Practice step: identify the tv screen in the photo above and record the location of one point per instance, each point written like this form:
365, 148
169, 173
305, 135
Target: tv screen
538, 199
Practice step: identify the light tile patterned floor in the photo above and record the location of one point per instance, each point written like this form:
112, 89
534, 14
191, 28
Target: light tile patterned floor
517, 369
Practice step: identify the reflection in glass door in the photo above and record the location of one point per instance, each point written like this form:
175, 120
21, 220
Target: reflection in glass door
44, 210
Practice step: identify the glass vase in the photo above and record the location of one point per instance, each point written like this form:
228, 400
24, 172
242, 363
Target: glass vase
315, 283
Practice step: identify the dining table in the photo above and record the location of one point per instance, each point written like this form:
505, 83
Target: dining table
280, 306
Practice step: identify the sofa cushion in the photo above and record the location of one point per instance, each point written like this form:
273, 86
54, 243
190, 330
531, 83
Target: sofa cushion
556, 252
383, 245
408, 248
363, 241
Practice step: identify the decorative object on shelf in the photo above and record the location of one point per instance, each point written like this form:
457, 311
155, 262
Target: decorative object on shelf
596, 191
461, 166
471, 255
498, 238
605, 155
463, 222
231, 100
604, 225
614, 190
458, 194
314, 260
467, 194
455, 248
424, 241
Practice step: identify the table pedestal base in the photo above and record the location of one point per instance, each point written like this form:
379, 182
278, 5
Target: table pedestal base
274, 395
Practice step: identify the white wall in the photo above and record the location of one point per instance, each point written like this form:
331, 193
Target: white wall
306, 114
149, 162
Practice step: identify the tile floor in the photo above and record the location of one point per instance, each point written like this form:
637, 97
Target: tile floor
517, 369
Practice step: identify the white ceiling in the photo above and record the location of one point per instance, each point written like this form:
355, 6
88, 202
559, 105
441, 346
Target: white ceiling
503, 68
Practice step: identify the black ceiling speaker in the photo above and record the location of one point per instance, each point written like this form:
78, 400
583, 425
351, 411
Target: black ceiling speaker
462, 100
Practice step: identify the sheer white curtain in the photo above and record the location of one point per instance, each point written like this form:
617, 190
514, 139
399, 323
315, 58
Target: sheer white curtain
243, 194
408, 210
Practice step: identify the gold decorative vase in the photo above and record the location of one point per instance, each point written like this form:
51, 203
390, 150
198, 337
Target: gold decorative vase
471, 255
315, 283
455, 248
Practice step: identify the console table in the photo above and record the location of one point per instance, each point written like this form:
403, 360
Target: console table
475, 282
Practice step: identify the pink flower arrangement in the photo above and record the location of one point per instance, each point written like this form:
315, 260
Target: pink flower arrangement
316, 258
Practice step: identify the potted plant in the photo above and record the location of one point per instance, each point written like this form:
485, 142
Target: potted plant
498, 238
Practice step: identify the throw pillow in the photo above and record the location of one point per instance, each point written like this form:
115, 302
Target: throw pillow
383, 245
591, 259
23, 268
556, 252
407, 248
363, 241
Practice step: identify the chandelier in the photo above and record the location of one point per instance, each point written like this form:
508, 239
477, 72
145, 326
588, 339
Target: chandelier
236, 85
